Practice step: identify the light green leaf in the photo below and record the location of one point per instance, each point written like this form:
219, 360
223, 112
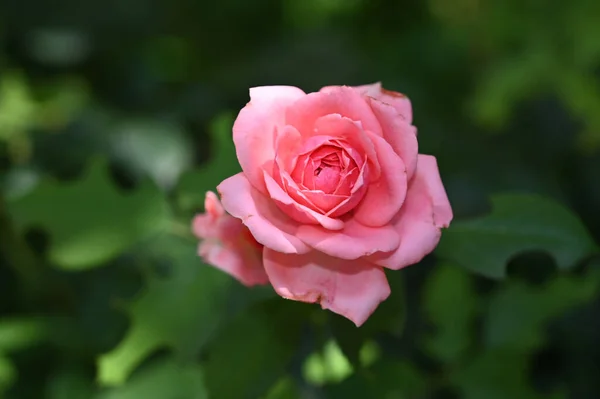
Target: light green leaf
450, 303
17, 106
89, 221
222, 163
159, 149
517, 224
180, 311
328, 365
164, 379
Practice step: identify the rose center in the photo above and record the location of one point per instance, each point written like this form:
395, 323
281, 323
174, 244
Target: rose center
327, 177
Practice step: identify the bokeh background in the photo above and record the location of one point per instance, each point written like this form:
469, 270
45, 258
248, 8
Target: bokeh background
115, 118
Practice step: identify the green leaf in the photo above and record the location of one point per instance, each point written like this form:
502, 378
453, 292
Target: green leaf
497, 374
517, 224
450, 303
222, 163
180, 312
89, 221
164, 379
252, 352
518, 313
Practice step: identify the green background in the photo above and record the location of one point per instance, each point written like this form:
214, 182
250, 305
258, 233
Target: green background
115, 118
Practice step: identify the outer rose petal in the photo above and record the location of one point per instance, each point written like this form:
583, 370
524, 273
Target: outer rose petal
254, 128
266, 222
227, 244
425, 211
384, 197
352, 289
353, 242
342, 100
393, 98
401, 135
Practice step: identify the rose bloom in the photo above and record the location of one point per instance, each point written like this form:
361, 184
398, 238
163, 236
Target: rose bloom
332, 190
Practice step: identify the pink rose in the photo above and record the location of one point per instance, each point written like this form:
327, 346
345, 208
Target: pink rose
334, 189
227, 243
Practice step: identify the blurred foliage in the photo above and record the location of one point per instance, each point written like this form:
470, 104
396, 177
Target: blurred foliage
115, 119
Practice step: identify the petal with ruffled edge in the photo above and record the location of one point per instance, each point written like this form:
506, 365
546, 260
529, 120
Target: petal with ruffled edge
385, 196
352, 289
267, 223
425, 212
397, 100
255, 126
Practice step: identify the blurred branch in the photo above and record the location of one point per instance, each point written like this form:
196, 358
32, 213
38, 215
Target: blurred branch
182, 230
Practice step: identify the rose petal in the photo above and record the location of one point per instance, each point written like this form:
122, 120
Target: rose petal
241, 262
254, 128
266, 222
353, 241
325, 202
352, 289
342, 100
297, 211
425, 211
287, 144
357, 192
227, 244
400, 134
384, 197
294, 190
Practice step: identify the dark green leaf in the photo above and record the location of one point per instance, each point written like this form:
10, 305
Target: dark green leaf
8, 373
70, 383
386, 379
497, 374
19, 333
517, 224
252, 351
518, 313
